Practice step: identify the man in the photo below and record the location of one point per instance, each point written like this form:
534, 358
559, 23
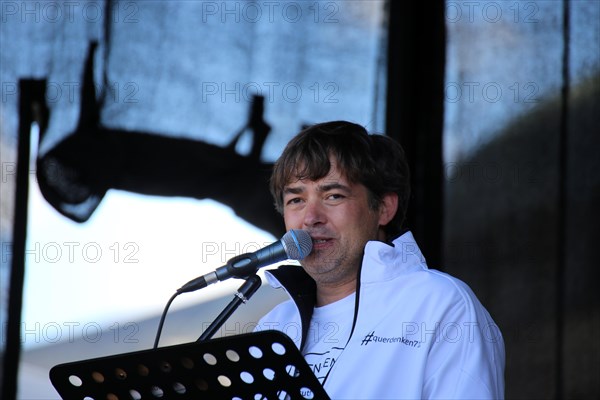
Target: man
371, 319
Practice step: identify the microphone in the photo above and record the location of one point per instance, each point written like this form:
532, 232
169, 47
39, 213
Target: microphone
294, 245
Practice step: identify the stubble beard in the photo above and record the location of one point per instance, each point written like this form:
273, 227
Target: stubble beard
329, 268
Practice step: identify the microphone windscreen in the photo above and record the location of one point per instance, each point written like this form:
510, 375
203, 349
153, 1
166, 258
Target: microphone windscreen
297, 243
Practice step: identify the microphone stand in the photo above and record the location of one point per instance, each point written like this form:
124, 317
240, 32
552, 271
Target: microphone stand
248, 288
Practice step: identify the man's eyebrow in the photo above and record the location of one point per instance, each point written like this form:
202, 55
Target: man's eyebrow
332, 186
293, 190
321, 188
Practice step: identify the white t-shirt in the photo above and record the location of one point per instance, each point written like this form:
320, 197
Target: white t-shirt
328, 334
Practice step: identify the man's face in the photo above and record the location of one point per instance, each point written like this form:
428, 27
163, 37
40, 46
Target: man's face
336, 214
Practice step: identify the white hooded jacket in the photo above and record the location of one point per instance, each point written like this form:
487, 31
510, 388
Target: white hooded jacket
417, 333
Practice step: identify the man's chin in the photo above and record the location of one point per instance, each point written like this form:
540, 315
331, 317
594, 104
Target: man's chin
314, 260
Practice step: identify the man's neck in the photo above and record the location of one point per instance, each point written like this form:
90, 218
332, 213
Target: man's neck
327, 294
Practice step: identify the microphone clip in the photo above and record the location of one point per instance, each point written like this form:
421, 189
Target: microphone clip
241, 267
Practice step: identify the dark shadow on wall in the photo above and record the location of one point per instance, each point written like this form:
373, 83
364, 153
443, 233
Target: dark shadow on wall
75, 175
506, 201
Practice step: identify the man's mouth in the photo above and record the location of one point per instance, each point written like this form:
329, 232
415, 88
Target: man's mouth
321, 243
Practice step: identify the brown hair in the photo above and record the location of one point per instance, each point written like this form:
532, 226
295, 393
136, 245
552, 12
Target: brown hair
376, 161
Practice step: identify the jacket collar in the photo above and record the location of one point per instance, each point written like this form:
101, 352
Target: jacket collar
384, 261
301, 288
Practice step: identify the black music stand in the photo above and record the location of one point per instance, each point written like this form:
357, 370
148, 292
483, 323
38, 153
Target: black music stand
260, 365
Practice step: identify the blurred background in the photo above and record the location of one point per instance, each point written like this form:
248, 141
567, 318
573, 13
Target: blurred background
137, 139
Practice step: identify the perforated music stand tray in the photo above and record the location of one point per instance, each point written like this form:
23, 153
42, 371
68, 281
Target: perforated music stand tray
260, 365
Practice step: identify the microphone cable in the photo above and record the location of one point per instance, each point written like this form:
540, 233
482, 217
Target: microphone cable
162, 319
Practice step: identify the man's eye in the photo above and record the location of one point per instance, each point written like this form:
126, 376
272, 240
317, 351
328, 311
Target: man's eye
335, 196
294, 200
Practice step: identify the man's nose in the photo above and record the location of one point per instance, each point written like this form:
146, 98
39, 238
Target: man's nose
314, 213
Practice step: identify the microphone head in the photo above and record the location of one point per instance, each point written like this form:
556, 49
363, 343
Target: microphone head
297, 243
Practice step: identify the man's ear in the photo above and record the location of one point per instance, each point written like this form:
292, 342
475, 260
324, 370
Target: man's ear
388, 208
